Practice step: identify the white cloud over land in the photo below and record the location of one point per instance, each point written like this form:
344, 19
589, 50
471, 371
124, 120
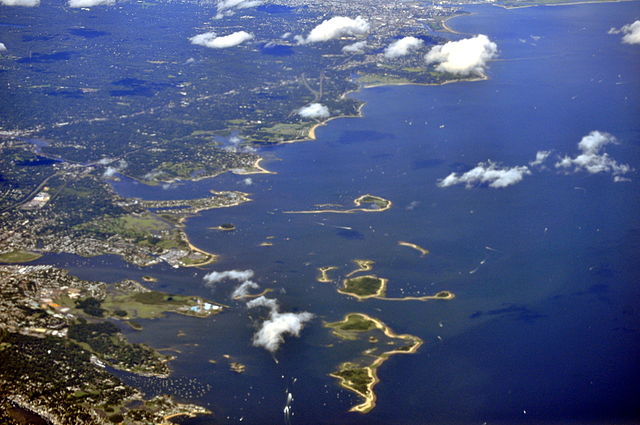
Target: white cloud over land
239, 275
468, 56
314, 111
336, 27
489, 173
403, 47
91, 3
24, 3
592, 159
226, 7
271, 333
211, 40
3, 48
355, 48
631, 32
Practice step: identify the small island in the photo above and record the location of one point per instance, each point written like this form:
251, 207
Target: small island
421, 250
237, 367
360, 375
363, 287
149, 279
364, 203
323, 277
371, 286
363, 266
226, 227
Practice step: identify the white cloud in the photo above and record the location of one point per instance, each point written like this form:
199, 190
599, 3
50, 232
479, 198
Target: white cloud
248, 181
402, 47
239, 275
314, 110
263, 301
463, 57
3, 48
271, 333
541, 157
592, 160
488, 173
91, 3
209, 39
25, 3
243, 289
242, 276
355, 48
111, 170
631, 32
225, 7
336, 27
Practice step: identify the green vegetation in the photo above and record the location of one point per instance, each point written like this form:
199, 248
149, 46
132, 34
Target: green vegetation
355, 377
353, 322
56, 376
374, 200
444, 294
154, 304
364, 286
19, 257
91, 306
381, 79
104, 339
145, 230
360, 374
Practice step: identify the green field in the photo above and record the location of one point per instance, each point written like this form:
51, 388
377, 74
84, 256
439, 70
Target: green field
19, 257
364, 286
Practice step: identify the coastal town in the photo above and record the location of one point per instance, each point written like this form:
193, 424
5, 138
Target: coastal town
49, 316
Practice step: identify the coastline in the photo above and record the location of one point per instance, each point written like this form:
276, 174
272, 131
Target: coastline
563, 4
370, 399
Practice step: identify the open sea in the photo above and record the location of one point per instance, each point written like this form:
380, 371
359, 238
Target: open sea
545, 326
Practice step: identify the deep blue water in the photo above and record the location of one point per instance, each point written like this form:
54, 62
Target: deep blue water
545, 325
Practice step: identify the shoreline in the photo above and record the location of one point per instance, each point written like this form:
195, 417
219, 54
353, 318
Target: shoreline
370, 399
378, 294
358, 201
563, 4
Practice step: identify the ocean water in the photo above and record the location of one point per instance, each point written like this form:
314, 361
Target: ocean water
545, 325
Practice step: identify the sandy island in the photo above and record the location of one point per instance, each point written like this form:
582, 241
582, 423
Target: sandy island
323, 277
363, 266
381, 204
371, 370
421, 250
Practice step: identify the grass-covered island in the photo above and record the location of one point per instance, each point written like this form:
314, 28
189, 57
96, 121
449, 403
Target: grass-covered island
363, 203
363, 287
371, 286
360, 375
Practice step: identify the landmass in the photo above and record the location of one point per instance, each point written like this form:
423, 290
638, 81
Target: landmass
55, 341
364, 287
363, 266
227, 227
66, 207
365, 203
323, 277
360, 375
372, 286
